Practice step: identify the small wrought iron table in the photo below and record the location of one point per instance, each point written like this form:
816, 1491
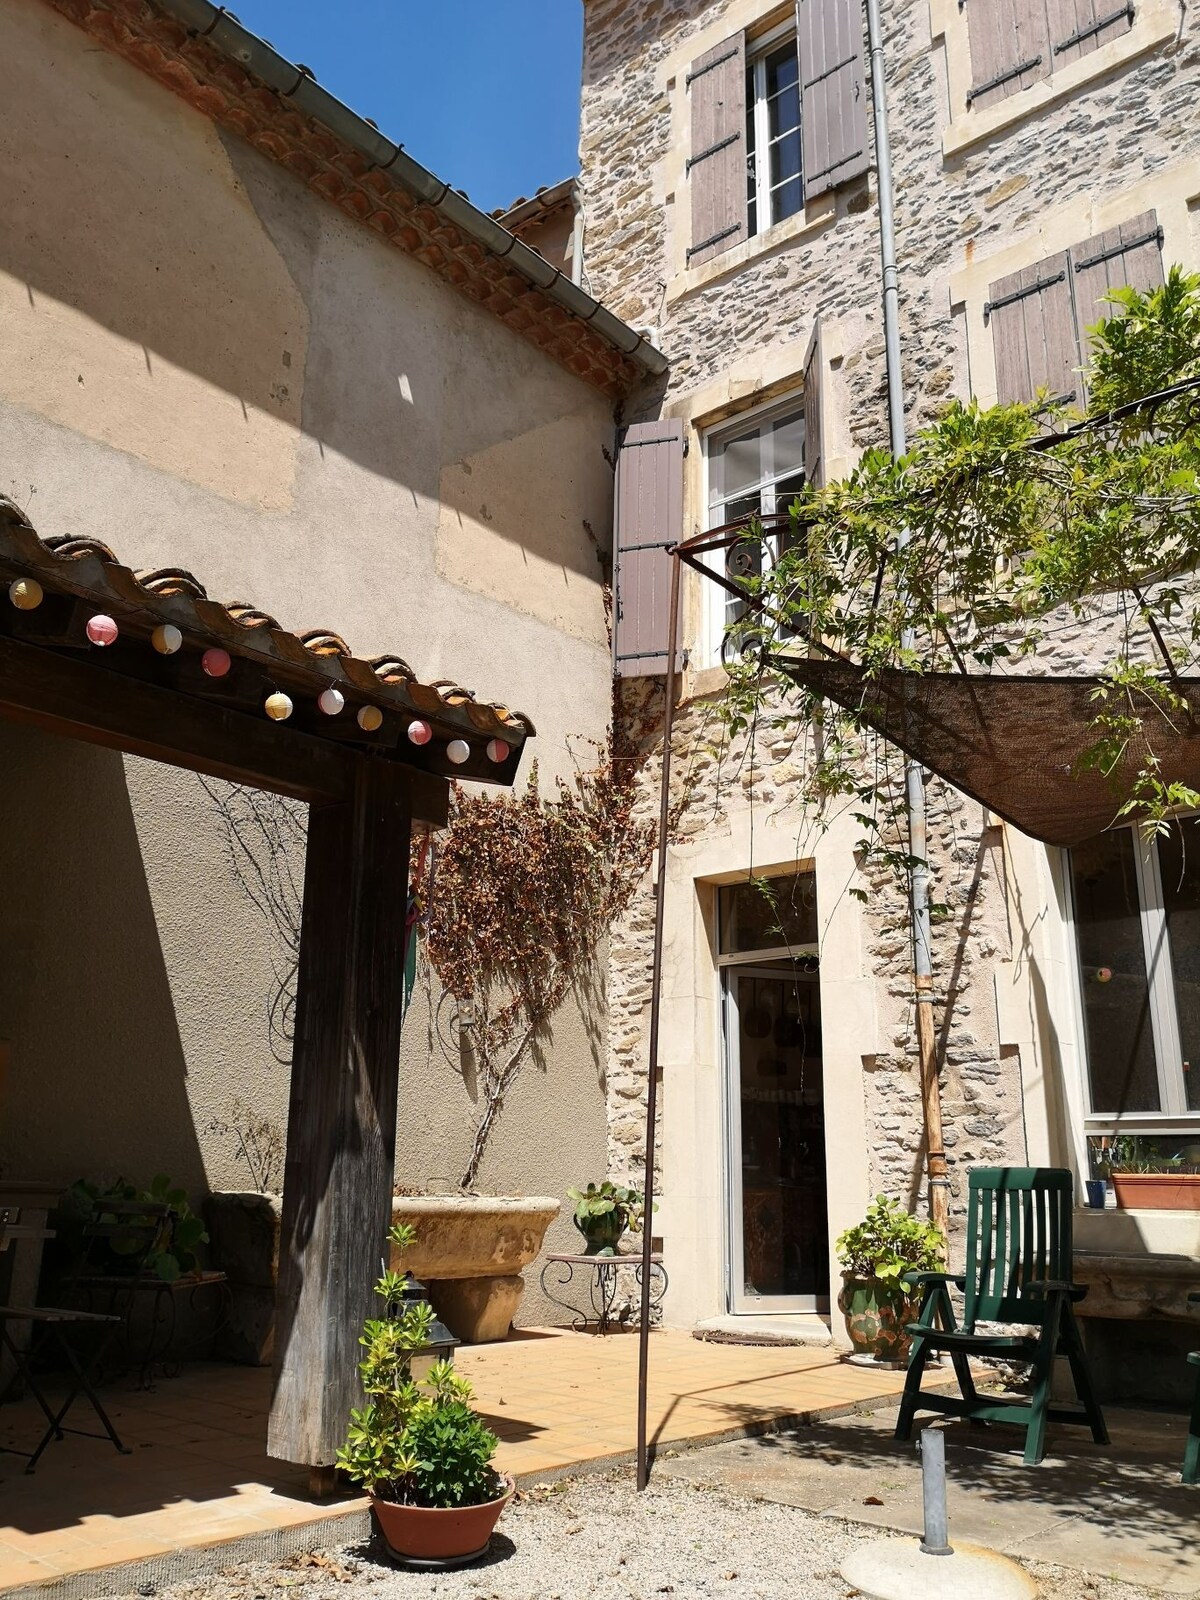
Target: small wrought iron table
602, 1281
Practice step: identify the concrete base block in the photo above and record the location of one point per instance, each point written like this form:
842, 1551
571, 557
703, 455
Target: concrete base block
898, 1569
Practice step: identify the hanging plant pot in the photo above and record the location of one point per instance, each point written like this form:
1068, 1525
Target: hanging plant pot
421, 1536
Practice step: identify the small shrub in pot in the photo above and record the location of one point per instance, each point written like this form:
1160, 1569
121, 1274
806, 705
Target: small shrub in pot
418, 1448
603, 1211
874, 1257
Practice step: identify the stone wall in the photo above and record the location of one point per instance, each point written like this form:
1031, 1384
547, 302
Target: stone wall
1122, 131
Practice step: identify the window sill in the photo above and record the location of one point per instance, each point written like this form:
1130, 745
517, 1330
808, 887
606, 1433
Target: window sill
1155, 22
803, 225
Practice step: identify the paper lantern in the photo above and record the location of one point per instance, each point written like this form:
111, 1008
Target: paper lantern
420, 732
278, 706
369, 718
458, 751
498, 751
167, 639
216, 662
331, 701
102, 629
26, 594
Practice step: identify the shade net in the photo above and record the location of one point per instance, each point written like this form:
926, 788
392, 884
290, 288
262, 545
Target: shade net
1013, 743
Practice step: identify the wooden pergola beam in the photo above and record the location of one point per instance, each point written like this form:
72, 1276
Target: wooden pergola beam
341, 1140
79, 699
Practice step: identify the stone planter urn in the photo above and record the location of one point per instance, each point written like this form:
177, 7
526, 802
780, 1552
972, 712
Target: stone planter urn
244, 1232
469, 1252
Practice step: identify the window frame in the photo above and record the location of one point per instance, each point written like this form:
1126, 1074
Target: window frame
759, 118
1164, 1018
712, 438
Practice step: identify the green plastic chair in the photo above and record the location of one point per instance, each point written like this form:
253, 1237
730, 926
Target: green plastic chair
1018, 1271
1191, 1453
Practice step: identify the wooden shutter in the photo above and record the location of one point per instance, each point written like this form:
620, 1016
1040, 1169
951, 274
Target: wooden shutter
1129, 256
814, 430
1032, 318
1010, 48
1077, 27
648, 516
716, 164
833, 92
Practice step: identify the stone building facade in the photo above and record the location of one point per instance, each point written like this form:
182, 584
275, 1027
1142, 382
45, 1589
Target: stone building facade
1097, 144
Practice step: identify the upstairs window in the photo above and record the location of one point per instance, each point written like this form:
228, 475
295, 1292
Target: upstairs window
756, 106
1017, 43
1040, 316
775, 187
756, 468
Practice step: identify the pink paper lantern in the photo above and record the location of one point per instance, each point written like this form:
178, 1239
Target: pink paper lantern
216, 662
102, 629
420, 732
498, 751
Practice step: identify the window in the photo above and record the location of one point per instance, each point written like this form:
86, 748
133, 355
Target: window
755, 468
1040, 316
775, 188
1137, 926
1017, 43
754, 104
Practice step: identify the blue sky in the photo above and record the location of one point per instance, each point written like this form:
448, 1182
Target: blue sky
484, 92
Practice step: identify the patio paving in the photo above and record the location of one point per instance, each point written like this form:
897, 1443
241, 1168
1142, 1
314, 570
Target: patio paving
199, 1478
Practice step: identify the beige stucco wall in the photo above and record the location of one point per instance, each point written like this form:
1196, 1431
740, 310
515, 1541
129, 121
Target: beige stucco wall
206, 366
978, 194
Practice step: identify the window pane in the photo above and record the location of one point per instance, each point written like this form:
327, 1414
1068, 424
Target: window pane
751, 155
758, 918
787, 200
1112, 964
787, 445
785, 158
741, 463
783, 81
1179, 864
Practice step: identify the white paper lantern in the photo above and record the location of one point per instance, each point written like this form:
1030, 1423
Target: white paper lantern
26, 594
167, 639
458, 750
369, 718
331, 701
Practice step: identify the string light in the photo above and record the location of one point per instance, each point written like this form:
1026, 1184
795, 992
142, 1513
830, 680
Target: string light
369, 718
331, 701
420, 732
167, 639
458, 751
498, 751
278, 706
216, 662
101, 629
26, 594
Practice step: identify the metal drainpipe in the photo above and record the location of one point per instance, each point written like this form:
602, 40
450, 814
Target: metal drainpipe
914, 781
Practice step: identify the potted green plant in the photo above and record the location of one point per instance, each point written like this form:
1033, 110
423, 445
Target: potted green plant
603, 1211
874, 1257
421, 1452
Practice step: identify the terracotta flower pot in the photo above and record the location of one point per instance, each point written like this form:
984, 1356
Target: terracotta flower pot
877, 1315
1157, 1191
428, 1537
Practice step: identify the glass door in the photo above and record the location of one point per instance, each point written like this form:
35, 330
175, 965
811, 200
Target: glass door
778, 1208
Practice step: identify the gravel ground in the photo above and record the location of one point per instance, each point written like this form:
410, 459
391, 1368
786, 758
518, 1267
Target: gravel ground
596, 1538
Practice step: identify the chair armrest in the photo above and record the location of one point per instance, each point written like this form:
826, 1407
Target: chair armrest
922, 1280
1075, 1291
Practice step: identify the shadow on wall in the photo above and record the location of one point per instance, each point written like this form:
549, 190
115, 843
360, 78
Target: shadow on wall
169, 291
96, 1082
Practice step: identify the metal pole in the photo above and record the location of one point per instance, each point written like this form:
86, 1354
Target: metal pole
914, 780
932, 1445
660, 887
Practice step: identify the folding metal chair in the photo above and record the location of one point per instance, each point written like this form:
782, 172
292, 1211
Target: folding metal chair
132, 1225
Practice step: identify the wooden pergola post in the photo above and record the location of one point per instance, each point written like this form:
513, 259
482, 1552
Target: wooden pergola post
342, 1113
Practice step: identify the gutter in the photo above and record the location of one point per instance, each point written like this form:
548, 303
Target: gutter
296, 83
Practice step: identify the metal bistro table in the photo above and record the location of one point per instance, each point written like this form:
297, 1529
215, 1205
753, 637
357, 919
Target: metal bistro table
22, 1264
602, 1274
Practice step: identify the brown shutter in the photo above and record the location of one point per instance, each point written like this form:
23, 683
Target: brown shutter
1010, 48
833, 92
1032, 319
716, 163
648, 516
1078, 27
1129, 256
814, 430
